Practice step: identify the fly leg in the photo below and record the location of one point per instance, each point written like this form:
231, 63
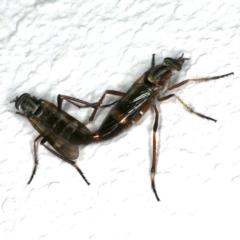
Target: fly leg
112, 92
73, 101
199, 80
192, 80
35, 158
154, 156
21, 114
186, 106
65, 159
96, 105
34, 150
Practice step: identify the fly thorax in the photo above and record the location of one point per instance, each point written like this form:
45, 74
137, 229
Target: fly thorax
159, 76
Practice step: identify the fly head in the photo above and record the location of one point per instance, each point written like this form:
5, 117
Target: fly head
175, 64
28, 104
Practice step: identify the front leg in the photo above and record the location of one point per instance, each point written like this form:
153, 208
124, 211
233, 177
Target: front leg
199, 80
35, 159
21, 114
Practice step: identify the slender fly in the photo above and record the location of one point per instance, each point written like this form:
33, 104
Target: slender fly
63, 132
145, 92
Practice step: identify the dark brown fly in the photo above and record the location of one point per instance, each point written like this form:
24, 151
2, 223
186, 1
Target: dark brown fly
63, 132
140, 97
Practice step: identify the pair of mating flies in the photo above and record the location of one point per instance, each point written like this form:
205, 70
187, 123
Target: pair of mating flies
64, 133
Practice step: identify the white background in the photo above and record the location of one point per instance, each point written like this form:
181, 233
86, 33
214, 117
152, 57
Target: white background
82, 48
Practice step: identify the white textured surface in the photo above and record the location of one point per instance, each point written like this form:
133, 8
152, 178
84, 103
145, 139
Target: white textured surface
81, 48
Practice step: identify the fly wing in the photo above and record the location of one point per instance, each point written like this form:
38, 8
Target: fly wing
64, 125
127, 111
66, 149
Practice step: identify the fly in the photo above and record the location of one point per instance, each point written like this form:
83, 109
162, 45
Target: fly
141, 96
63, 132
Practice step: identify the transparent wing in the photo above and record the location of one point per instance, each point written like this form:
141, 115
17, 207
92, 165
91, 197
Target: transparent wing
66, 149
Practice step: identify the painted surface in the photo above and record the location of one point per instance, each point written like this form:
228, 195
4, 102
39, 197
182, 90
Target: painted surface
81, 49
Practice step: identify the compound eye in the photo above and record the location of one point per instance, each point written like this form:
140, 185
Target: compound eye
173, 63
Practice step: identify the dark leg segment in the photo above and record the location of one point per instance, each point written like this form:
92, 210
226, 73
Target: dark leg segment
199, 80
66, 160
72, 100
35, 158
153, 61
21, 114
154, 157
186, 106
112, 92
96, 105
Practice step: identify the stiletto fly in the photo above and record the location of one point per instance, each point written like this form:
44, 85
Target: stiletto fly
63, 132
141, 96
